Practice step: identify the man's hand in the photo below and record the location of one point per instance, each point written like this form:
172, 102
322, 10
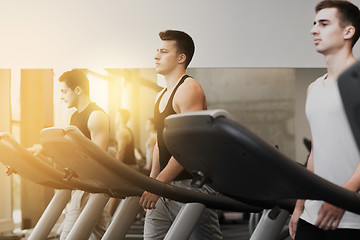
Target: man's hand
36, 149
148, 200
294, 222
329, 217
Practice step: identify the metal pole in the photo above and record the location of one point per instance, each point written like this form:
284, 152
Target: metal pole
271, 224
50, 215
124, 216
88, 217
185, 221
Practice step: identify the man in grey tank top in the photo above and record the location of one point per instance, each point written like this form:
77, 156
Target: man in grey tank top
334, 155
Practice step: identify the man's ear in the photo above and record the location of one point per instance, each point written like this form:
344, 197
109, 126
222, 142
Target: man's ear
182, 58
349, 32
78, 90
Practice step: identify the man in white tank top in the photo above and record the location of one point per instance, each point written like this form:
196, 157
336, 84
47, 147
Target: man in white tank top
334, 155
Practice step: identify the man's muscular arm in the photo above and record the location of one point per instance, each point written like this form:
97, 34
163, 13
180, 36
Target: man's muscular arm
189, 97
98, 125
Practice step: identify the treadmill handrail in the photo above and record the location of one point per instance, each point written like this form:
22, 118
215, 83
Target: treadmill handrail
22, 158
141, 181
312, 186
214, 113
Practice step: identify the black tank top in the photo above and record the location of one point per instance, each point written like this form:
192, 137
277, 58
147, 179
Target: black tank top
80, 119
159, 117
129, 150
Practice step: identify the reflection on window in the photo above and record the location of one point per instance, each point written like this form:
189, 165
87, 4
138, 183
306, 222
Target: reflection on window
15, 132
15, 103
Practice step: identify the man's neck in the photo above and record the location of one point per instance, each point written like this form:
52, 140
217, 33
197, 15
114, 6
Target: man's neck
173, 78
82, 103
339, 62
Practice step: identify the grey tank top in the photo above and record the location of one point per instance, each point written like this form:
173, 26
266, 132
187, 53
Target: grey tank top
334, 149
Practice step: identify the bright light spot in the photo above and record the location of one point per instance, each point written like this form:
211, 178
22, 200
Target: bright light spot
99, 71
99, 92
15, 94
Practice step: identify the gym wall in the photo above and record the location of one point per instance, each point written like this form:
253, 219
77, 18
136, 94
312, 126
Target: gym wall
123, 34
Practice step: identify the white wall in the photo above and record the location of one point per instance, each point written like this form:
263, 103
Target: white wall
123, 33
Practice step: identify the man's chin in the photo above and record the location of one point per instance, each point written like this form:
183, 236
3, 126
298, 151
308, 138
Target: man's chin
320, 50
159, 71
162, 73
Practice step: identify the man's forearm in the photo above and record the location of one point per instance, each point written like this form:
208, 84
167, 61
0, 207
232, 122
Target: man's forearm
170, 172
300, 204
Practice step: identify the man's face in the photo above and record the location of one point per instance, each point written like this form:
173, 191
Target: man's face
328, 35
67, 95
166, 58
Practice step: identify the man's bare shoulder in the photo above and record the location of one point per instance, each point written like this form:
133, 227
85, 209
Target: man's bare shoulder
189, 96
190, 84
123, 132
98, 115
99, 126
97, 119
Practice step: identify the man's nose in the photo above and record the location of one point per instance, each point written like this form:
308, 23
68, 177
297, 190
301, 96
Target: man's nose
314, 30
156, 56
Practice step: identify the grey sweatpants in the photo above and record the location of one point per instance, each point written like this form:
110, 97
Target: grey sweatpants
73, 210
159, 220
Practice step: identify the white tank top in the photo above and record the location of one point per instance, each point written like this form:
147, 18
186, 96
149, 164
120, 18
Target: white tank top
335, 152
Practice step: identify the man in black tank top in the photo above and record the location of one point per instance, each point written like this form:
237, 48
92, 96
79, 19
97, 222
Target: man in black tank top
182, 94
81, 119
124, 138
125, 151
94, 123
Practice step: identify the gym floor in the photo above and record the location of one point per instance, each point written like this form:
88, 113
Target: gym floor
238, 231
232, 230
235, 231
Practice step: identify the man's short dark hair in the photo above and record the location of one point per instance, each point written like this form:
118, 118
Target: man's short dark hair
74, 78
125, 114
184, 43
349, 14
